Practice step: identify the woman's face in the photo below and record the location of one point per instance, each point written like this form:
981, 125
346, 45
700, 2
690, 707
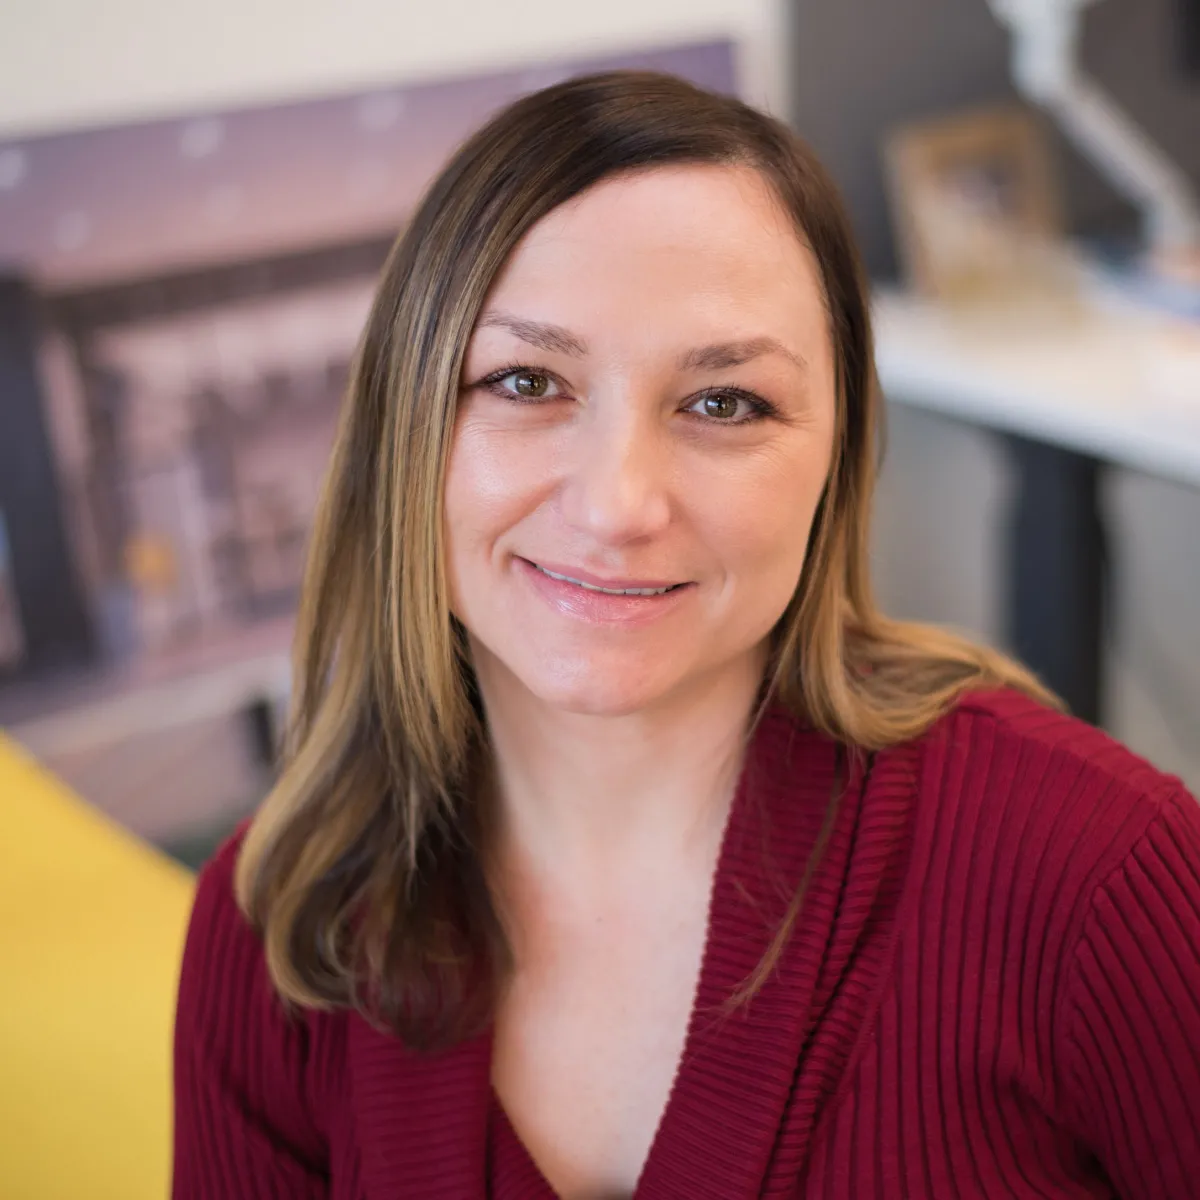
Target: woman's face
644, 432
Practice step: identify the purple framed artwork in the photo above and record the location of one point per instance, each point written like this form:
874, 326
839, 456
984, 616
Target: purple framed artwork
182, 300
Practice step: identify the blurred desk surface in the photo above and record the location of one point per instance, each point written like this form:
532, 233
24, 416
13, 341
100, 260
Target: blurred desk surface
234, 671
172, 745
1070, 393
1088, 383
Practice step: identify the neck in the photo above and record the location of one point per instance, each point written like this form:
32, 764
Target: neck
583, 798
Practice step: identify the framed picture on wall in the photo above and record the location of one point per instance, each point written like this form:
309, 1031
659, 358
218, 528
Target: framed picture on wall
201, 281
975, 201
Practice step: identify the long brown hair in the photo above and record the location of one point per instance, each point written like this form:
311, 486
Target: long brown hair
362, 869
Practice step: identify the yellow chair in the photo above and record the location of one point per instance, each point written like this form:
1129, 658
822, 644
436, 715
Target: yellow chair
92, 923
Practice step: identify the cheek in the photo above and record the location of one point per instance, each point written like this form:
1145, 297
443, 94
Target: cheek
494, 479
763, 531
485, 483
474, 485
764, 517
464, 515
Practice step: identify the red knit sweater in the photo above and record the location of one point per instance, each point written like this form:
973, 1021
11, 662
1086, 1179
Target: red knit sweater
994, 991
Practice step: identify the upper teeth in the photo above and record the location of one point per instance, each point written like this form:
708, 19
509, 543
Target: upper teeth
591, 587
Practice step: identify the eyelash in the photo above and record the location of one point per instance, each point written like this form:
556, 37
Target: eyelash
760, 407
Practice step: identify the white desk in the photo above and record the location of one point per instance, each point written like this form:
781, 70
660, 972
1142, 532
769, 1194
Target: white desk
1090, 385
1071, 396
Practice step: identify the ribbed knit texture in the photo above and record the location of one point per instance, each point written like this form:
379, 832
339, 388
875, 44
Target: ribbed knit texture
994, 991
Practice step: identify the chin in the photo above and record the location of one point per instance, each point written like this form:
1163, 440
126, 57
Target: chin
589, 691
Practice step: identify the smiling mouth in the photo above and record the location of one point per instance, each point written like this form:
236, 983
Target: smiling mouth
591, 587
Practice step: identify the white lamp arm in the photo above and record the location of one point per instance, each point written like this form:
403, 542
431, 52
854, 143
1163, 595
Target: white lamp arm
1045, 37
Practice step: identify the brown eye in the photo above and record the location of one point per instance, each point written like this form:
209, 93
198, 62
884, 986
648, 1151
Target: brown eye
530, 383
720, 406
732, 407
519, 384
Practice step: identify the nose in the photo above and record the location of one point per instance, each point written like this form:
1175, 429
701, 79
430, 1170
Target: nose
618, 487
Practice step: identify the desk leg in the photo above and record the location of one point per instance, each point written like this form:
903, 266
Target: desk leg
1056, 565
260, 724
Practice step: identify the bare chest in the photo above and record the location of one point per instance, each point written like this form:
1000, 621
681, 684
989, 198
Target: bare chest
587, 1044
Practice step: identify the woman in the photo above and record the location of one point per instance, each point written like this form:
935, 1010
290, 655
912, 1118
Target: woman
622, 847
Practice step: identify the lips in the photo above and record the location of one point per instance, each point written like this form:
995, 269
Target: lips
603, 602
609, 586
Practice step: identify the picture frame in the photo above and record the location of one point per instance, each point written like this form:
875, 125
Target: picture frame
200, 281
976, 202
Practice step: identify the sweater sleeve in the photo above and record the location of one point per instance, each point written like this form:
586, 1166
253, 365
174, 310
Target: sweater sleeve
1132, 1019
242, 1129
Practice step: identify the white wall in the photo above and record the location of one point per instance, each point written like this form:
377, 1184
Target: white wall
86, 62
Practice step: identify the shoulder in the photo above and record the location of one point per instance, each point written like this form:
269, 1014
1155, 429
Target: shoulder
1057, 875
232, 1030
223, 956
224, 980
1023, 724
1030, 749
1062, 801
215, 907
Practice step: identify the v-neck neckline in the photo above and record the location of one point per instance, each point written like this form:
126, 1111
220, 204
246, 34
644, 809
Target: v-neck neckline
717, 1129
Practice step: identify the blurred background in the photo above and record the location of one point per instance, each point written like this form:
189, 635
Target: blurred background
180, 303
194, 202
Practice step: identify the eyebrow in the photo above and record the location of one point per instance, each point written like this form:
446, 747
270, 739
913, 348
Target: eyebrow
714, 357
721, 355
553, 338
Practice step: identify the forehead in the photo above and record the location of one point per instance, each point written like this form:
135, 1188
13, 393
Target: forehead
703, 242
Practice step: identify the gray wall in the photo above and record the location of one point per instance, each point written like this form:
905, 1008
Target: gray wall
862, 67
